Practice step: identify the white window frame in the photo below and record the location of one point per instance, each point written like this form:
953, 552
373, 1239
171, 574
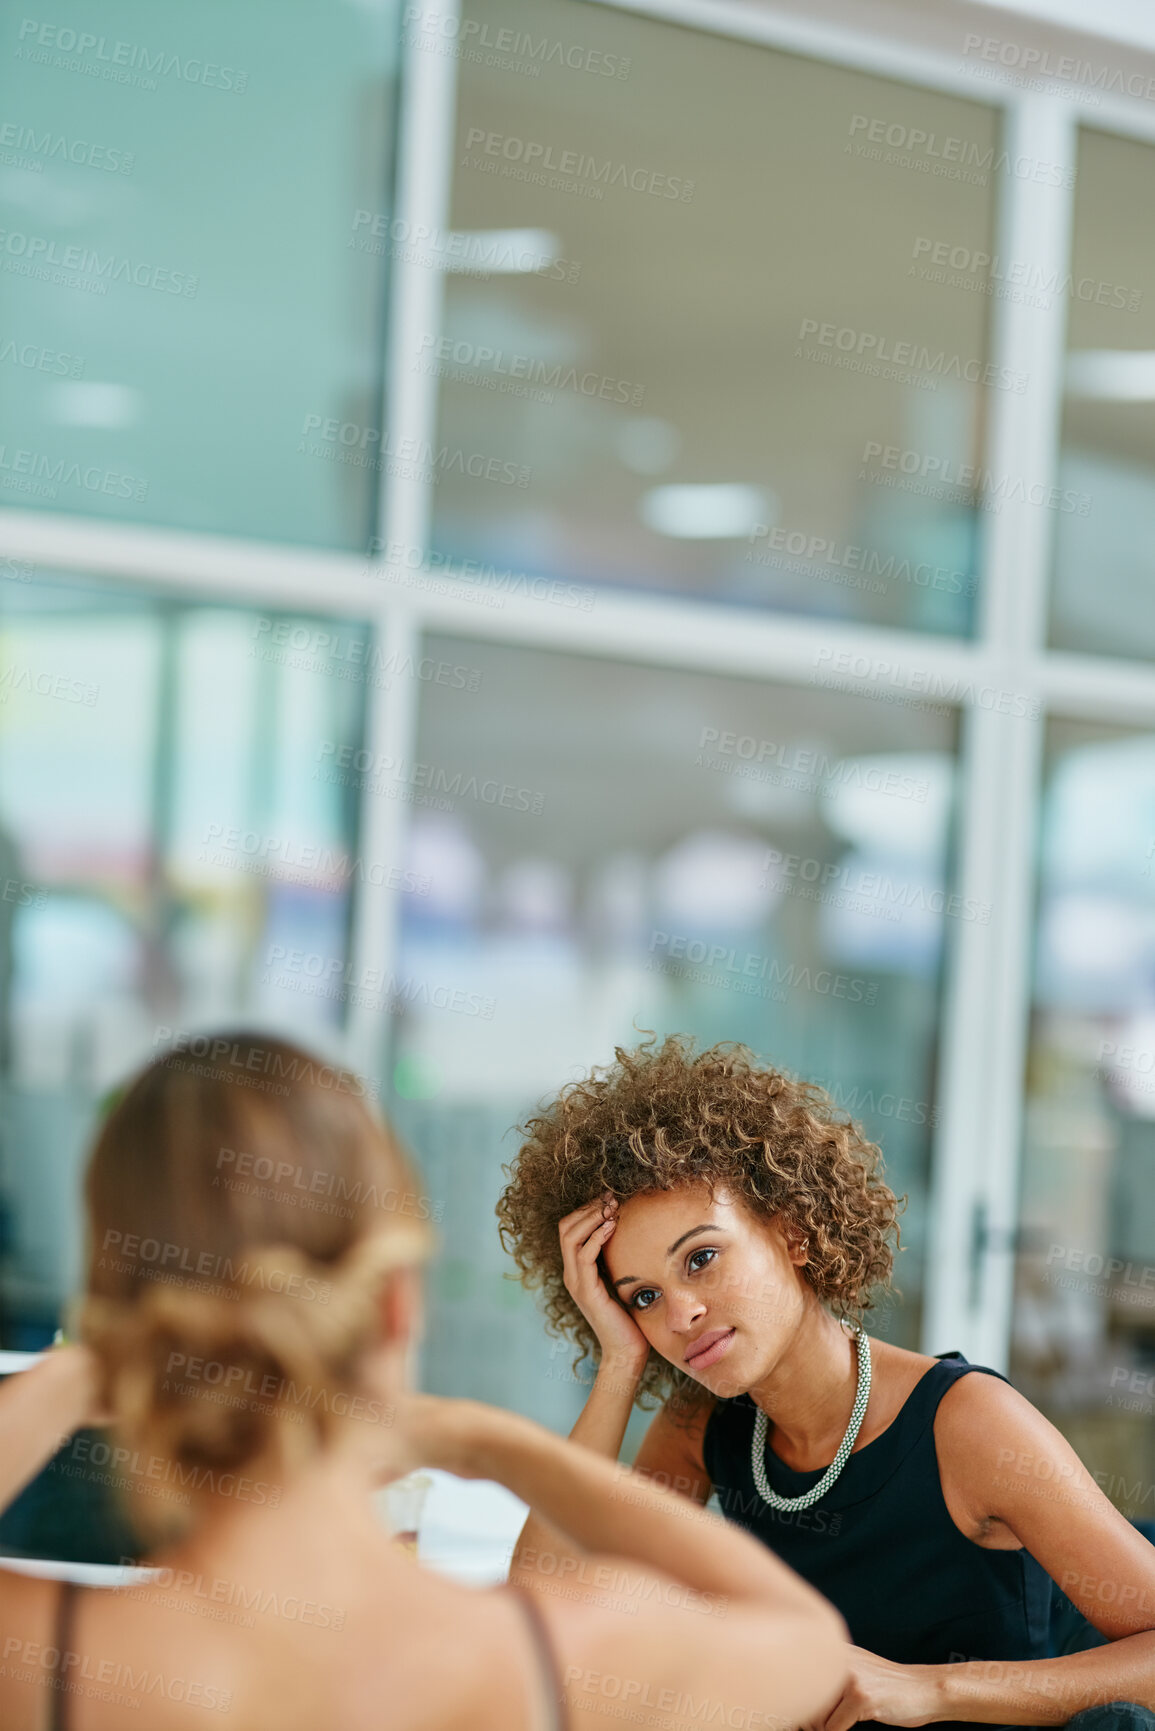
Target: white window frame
975, 1160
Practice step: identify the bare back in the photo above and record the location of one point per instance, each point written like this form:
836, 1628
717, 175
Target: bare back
393, 1646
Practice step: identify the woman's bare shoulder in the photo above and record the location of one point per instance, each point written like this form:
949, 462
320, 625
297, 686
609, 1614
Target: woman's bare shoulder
895, 1374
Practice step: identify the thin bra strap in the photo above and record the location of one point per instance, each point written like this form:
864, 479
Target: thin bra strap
65, 1615
551, 1691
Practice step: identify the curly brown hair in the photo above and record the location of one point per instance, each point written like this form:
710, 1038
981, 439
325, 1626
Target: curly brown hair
663, 1116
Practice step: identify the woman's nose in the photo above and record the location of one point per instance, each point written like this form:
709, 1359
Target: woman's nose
684, 1309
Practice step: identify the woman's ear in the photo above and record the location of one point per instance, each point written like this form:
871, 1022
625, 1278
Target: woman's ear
793, 1237
797, 1246
401, 1310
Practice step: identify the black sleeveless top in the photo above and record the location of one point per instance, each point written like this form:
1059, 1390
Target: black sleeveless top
881, 1544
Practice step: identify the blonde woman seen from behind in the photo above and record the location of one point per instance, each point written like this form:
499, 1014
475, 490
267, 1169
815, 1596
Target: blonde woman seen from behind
249, 1337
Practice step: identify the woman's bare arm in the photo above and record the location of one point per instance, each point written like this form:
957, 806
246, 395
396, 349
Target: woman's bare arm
39, 1409
651, 1591
1011, 1480
1017, 1471
671, 1452
624, 1351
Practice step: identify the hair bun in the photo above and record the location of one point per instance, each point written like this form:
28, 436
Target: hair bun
252, 1368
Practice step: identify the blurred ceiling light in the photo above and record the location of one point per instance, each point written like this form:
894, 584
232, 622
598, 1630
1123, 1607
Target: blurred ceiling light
1112, 375
646, 444
893, 803
770, 801
715, 882
1093, 951
442, 851
722, 511
84, 403
618, 896
504, 251
536, 895
1099, 818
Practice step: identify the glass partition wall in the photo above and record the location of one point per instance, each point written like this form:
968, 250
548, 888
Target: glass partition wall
619, 526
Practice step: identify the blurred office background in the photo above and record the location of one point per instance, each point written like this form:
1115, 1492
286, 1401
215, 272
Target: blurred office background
528, 526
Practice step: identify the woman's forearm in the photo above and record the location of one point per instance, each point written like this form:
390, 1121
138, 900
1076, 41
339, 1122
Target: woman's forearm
601, 1507
38, 1409
1050, 1691
601, 1427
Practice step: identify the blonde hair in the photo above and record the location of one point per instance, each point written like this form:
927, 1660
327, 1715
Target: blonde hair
241, 1232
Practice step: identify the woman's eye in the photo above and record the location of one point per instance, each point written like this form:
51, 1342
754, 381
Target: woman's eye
695, 1255
643, 1298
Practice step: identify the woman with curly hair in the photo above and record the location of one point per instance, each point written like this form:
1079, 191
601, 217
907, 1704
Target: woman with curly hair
714, 1232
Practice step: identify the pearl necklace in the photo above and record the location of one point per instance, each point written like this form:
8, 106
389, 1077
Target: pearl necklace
758, 1442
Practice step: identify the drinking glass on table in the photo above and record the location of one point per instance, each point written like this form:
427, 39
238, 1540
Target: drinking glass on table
405, 1499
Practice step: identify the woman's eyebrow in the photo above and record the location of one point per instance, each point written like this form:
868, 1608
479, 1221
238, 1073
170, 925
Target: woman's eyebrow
627, 1278
690, 1234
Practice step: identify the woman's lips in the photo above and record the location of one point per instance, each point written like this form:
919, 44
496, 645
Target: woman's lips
709, 1349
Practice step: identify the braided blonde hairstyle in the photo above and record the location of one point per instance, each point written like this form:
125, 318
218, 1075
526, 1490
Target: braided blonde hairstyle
244, 1218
